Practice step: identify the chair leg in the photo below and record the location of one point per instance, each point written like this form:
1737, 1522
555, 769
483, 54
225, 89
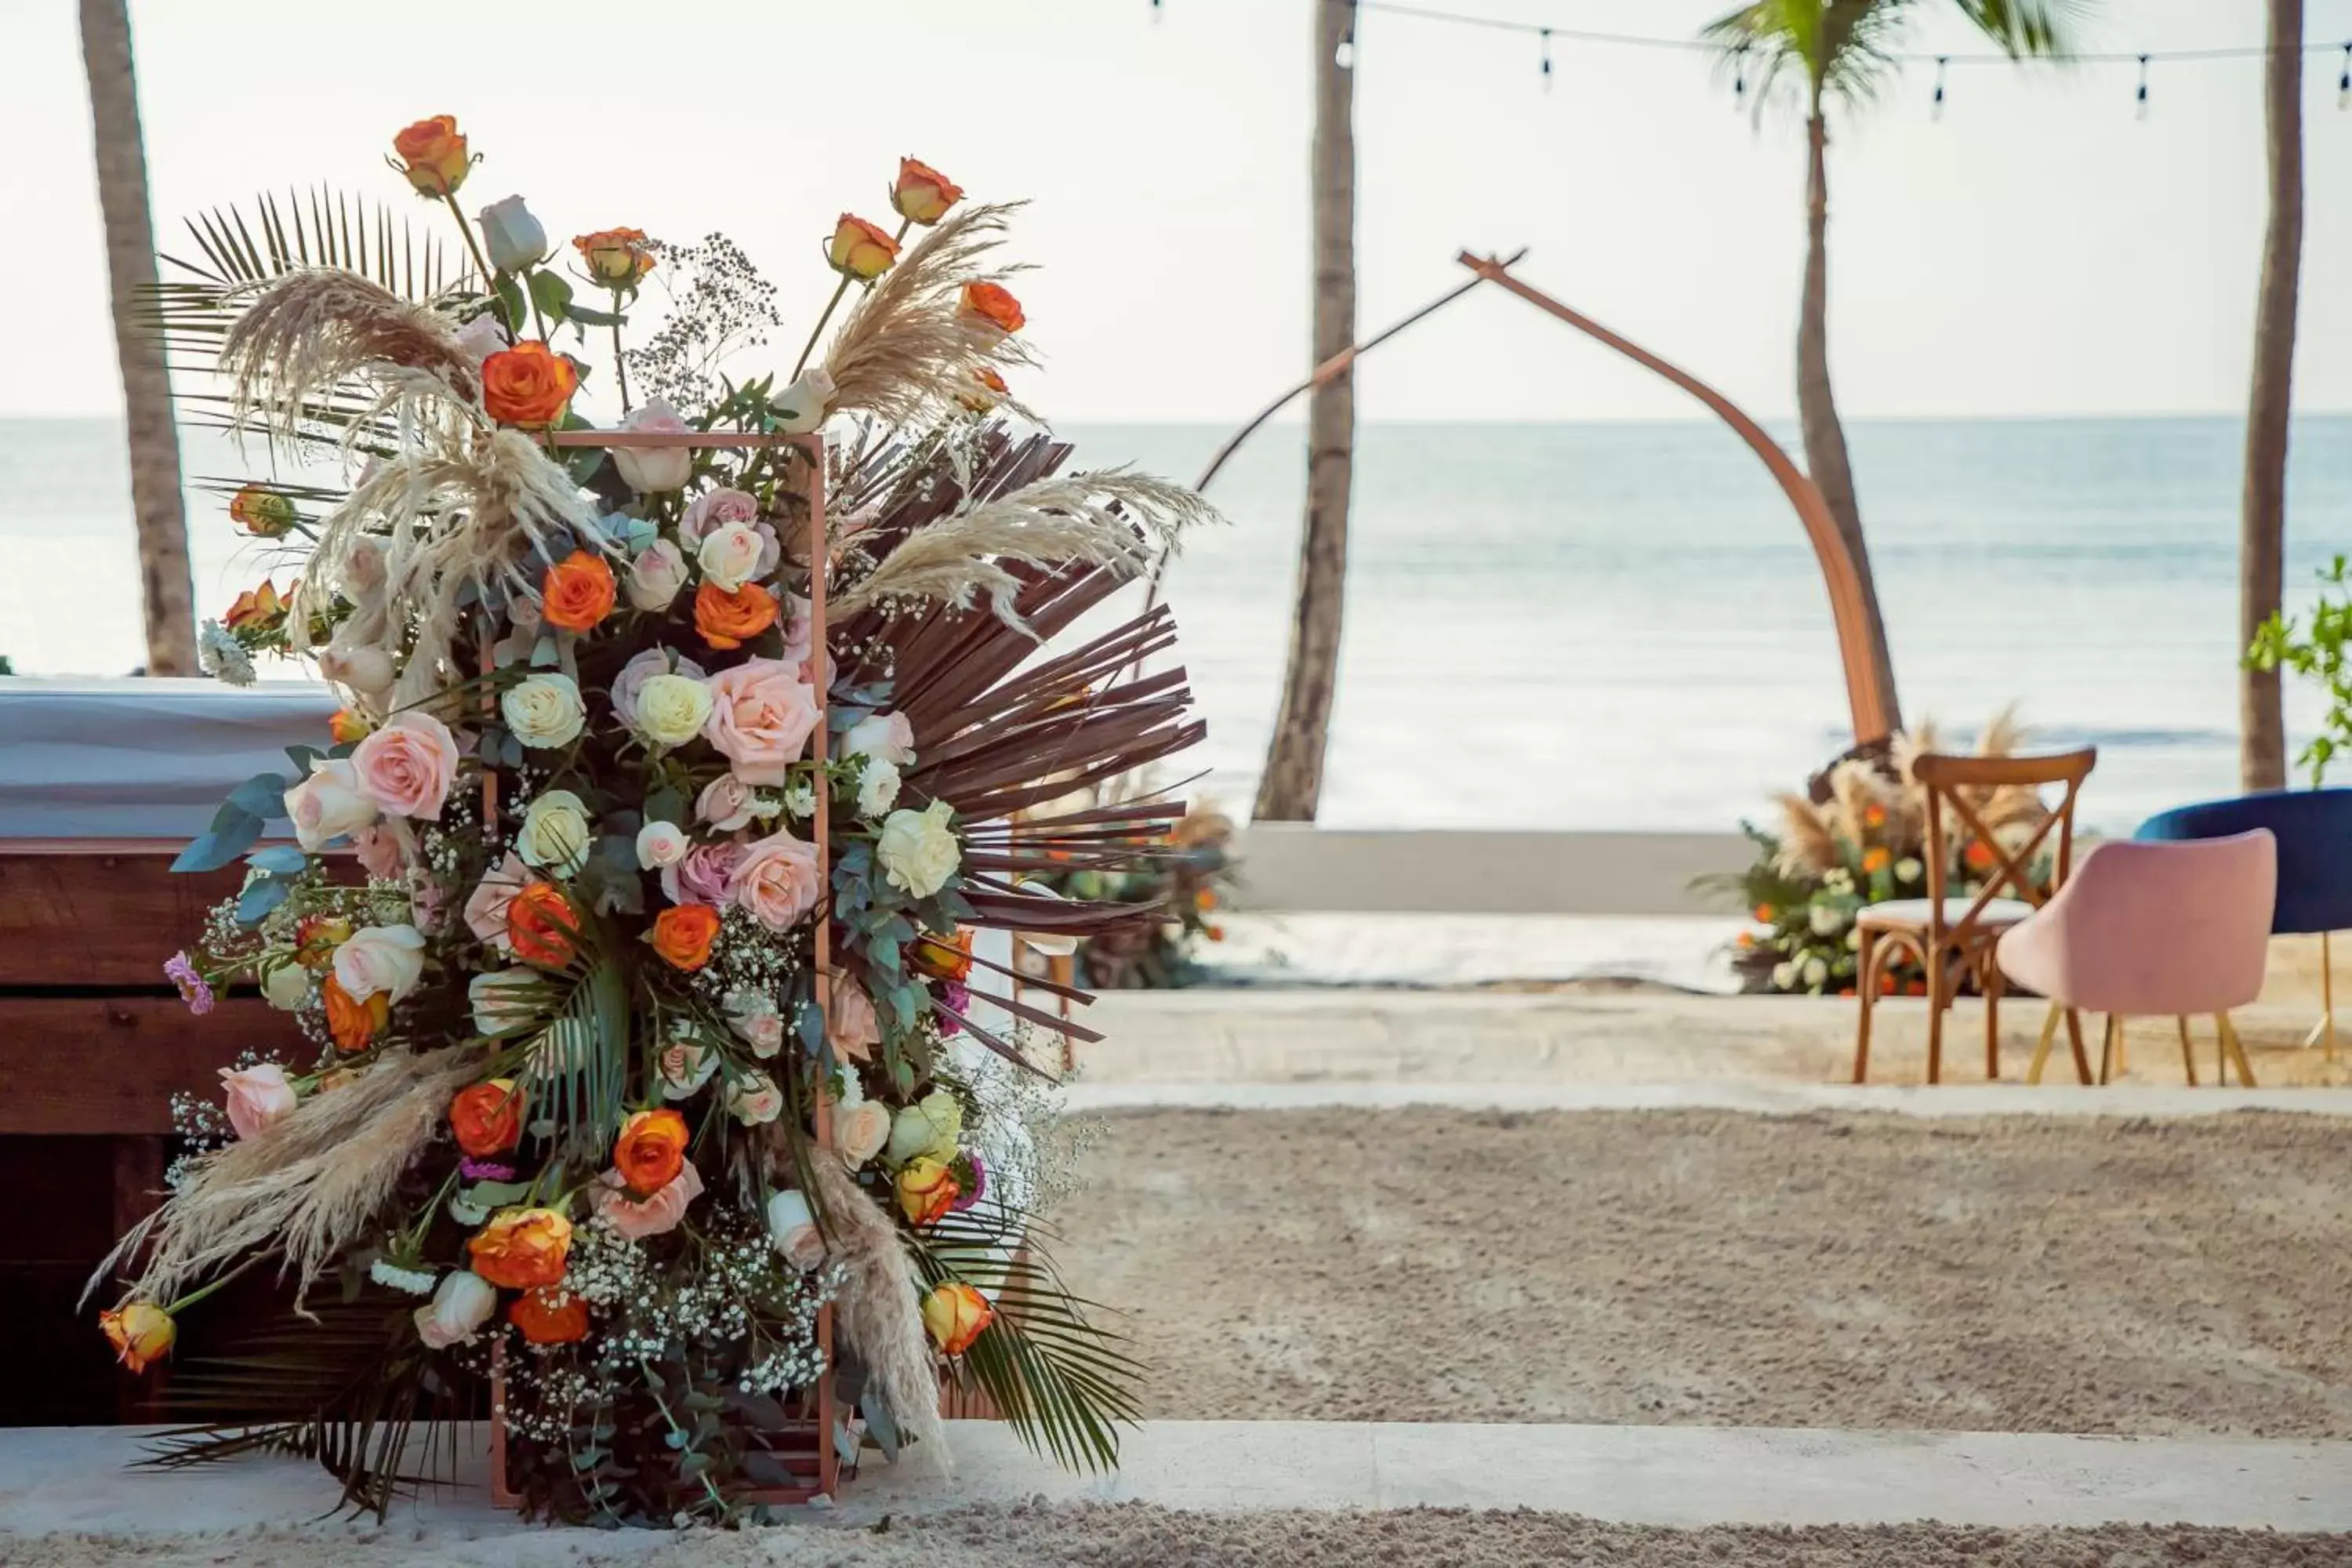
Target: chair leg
1865, 990
1936, 1002
1991, 987
2074, 1042
2107, 1048
2042, 1046
2236, 1047
2188, 1060
2324, 1031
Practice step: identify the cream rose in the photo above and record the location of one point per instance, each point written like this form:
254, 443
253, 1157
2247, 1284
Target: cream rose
778, 882
329, 803
287, 986
555, 833
860, 1131
754, 1100
806, 402
672, 710
504, 999
730, 554
917, 851
365, 670
544, 709
885, 735
656, 576
258, 1097
461, 1304
390, 959
792, 1229
662, 844
877, 786
652, 470
762, 715
927, 1128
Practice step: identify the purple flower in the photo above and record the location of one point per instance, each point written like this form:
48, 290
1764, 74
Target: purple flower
977, 1188
952, 999
475, 1170
192, 989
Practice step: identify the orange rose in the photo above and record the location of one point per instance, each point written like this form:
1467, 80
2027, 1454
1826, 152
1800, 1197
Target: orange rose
955, 1313
257, 606
541, 926
141, 1333
355, 1025
923, 194
987, 390
1764, 913
728, 620
547, 1320
682, 934
433, 155
262, 511
578, 592
927, 1189
651, 1149
528, 385
991, 305
348, 728
486, 1117
521, 1249
316, 937
615, 258
861, 249
943, 958
1977, 855
1876, 859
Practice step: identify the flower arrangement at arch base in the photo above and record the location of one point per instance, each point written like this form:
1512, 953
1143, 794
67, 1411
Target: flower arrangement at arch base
677, 779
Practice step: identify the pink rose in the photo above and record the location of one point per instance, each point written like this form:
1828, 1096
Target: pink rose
486, 908
714, 510
637, 1219
800, 636
634, 675
778, 880
258, 1097
383, 848
406, 766
849, 1020
724, 804
761, 716
706, 875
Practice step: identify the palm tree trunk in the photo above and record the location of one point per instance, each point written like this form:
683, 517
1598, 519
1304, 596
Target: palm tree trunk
1817, 415
1293, 780
2261, 516
155, 499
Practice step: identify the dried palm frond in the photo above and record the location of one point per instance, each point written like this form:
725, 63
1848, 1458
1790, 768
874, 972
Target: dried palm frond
312, 334
880, 1309
904, 353
1108, 520
308, 1186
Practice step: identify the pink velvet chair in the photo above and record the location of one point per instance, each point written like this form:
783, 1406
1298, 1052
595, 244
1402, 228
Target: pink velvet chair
2150, 929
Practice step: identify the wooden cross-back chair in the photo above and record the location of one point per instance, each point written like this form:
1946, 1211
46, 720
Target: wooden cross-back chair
1951, 936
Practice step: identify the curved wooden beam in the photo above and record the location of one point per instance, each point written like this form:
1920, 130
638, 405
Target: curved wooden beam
1876, 717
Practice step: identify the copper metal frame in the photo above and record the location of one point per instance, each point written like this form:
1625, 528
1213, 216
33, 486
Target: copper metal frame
827, 1483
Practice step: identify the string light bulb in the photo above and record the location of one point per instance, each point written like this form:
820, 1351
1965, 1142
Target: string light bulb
1344, 56
2344, 82
1547, 59
1936, 111
2142, 109
1739, 76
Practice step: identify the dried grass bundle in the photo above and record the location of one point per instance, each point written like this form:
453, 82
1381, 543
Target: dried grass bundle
904, 353
1110, 520
1815, 837
304, 336
879, 1309
310, 1185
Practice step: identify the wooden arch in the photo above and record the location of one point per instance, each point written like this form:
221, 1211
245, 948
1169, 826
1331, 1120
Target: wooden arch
1876, 717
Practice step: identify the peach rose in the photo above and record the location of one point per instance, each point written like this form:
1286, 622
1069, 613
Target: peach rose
486, 907
922, 194
578, 592
683, 933
778, 882
650, 1150
637, 1218
521, 1249
850, 1022
859, 1130
761, 720
329, 803
861, 249
990, 307
528, 385
406, 766
258, 1097
433, 155
955, 1314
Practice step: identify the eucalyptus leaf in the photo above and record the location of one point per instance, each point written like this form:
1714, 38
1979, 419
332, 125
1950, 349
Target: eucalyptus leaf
260, 898
223, 844
279, 860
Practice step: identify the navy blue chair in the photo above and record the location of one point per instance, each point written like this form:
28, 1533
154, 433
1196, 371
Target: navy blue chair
2314, 829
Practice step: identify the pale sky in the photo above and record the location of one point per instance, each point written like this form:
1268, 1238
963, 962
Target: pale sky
2039, 250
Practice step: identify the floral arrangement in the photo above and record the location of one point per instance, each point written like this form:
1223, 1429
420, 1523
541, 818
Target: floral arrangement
1187, 888
655, 1075
1862, 842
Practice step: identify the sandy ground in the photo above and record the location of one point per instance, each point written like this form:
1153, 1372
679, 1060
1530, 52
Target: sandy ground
2009, 1274
1124, 1535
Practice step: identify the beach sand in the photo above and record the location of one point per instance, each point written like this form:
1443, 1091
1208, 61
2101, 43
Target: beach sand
2008, 1274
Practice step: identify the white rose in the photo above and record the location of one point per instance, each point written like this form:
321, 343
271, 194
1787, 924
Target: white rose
730, 554
662, 844
755, 1100
512, 236
877, 787
917, 851
461, 1304
480, 338
329, 803
390, 959
671, 708
1784, 975
554, 833
860, 1131
792, 1229
504, 999
650, 470
806, 401
544, 709
1824, 919
287, 986
885, 735
366, 670
1907, 870
753, 1017
1816, 972
656, 576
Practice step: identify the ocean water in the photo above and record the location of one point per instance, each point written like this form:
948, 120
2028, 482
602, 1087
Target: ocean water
1579, 625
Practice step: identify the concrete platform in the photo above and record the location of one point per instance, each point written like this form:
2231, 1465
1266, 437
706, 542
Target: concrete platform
2154, 1100
65, 1480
